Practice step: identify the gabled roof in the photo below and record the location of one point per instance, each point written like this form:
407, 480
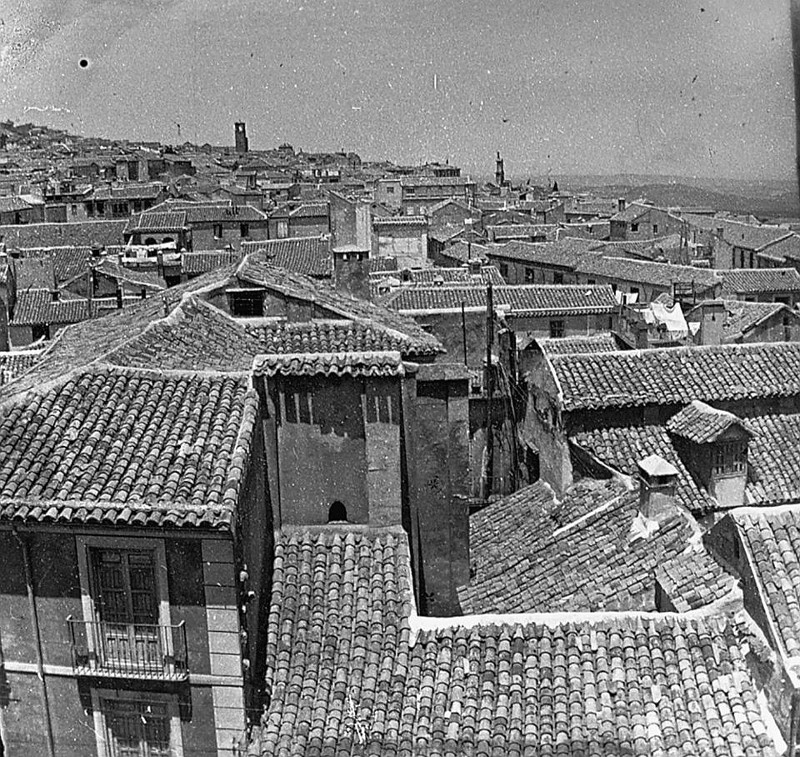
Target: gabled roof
349, 669
332, 303
579, 345
195, 336
756, 280
126, 447
532, 553
525, 300
679, 375
636, 210
701, 423
310, 256
67, 262
646, 272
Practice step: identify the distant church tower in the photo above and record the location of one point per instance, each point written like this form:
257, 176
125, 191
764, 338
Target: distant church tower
240, 134
499, 172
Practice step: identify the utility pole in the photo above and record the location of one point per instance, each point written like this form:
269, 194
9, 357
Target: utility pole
488, 383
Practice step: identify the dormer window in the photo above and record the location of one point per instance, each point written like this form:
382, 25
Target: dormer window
729, 458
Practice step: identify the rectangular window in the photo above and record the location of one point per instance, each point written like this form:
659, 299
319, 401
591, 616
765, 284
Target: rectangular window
283, 229
247, 303
390, 190
503, 268
558, 278
655, 228
244, 230
729, 458
217, 230
74, 209
634, 227
530, 275
136, 728
591, 281
556, 329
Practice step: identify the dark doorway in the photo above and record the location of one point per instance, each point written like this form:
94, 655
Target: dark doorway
337, 512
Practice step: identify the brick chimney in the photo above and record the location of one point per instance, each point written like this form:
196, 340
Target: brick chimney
657, 482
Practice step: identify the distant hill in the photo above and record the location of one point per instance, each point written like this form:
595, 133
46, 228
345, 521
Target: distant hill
765, 199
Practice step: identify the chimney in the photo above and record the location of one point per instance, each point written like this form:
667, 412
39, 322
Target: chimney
657, 481
621, 204
712, 322
475, 267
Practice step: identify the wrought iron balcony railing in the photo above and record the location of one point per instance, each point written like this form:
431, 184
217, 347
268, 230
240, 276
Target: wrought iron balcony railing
129, 650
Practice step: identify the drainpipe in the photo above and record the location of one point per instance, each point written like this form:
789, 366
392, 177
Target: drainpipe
37, 637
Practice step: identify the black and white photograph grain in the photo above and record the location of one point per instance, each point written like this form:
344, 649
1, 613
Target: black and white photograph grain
399, 379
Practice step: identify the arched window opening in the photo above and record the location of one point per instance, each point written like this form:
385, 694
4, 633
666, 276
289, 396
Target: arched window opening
337, 512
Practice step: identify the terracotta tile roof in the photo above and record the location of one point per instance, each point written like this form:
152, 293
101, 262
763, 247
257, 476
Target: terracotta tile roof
332, 303
693, 579
67, 262
532, 300
773, 540
647, 272
773, 459
740, 316
219, 211
195, 336
194, 263
111, 437
36, 306
623, 447
82, 343
378, 223
531, 554
330, 364
579, 345
564, 253
636, 210
518, 230
157, 221
679, 375
330, 336
78, 234
646, 248
343, 676
701, 423
756, 280
15, 363
310, 256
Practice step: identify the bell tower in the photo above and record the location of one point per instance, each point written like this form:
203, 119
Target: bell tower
240, 136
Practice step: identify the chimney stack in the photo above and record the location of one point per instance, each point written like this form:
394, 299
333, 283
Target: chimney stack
621, 204
657, 482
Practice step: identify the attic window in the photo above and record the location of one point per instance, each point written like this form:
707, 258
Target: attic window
729, 458
246, 303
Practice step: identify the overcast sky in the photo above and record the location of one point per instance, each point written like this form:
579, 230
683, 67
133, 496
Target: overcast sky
691, 87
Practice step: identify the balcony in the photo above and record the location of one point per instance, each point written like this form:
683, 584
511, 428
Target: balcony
125, 650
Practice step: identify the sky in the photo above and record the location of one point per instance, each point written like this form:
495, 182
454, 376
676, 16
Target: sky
669, 87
